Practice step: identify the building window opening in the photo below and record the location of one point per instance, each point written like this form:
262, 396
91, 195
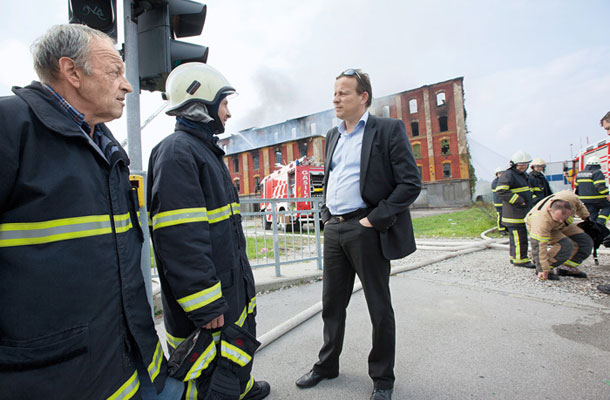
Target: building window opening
236, 164
421, 172
257, 184
447, 170
417, 150
440, 98
278, 156
442, 123
237, 186
303, 149
413, 106
255, 160
445, 147
414, 128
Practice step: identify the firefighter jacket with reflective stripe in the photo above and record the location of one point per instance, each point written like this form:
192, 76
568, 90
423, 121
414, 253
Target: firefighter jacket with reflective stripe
546, 230
497, 200
197, 234
591, 184
516, 197
539, 185
74, 306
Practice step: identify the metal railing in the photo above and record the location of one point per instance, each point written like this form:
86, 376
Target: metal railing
292, 236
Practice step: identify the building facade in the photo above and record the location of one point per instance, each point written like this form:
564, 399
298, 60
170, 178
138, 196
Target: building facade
435, 121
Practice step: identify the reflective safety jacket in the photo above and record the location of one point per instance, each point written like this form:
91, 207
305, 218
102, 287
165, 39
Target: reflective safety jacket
546, 230
198, 238
539, 185
516, 197
497, 200
591, 185
74, 308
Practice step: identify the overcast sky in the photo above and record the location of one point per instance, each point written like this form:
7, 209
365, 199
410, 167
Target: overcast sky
536, 73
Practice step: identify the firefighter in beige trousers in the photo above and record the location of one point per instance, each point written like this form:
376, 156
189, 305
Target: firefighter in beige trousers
555, 240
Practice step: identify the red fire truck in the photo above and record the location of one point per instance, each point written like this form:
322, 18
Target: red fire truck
600, 149
299, 179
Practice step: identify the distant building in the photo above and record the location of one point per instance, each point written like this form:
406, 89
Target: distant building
435, 120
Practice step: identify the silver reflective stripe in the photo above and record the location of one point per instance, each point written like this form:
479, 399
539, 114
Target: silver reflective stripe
43, 233
234, 353
201, 298
128, 389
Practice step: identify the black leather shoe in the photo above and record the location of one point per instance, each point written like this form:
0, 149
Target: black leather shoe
524, 265
604, 288
574, 273
311, 379
381, 394
259, 391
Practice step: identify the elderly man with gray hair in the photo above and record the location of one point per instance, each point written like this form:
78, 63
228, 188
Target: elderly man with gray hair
75, 320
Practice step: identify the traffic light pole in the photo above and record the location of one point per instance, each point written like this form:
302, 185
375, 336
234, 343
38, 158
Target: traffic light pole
134, 141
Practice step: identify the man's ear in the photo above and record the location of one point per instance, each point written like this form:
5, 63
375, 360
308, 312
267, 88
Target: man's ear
365, 96
69, 72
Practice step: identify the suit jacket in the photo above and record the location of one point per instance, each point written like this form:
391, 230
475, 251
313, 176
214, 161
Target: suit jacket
389, 182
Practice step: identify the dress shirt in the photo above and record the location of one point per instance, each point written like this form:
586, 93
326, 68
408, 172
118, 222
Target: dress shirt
343, 192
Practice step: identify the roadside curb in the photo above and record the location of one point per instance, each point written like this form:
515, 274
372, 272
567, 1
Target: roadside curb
275, 283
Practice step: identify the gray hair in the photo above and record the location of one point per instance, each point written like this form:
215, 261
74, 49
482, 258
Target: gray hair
67, 40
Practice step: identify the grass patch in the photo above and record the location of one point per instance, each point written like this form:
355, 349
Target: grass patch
466, 223
262, 247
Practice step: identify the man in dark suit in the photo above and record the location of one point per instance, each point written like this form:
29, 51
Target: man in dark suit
370, 180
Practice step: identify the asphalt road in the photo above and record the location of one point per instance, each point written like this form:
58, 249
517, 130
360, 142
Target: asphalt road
456, 339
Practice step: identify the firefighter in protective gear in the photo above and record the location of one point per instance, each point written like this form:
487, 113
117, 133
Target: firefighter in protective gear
516, 197
539, 185
497, 201
75, 321
592, 190
555, 240
206, 280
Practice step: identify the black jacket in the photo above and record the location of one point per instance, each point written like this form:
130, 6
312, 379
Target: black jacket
74, 305
497, 200
516, 197
389, 182
539, 185
591, 185
197, 234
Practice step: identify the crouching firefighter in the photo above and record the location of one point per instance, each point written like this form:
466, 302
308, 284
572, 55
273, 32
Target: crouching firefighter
514, 191
206, 280
592, 190
558, 245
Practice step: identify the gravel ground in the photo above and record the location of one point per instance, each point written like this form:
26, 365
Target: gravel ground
490, 269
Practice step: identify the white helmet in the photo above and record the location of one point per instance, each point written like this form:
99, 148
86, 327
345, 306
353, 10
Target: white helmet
539, 161
593, 160
520, 157
195, 82
499, 169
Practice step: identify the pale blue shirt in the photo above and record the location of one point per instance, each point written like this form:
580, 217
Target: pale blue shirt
343, 191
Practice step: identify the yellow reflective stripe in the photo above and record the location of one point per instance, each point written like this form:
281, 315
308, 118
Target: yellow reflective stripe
191, 391
173, 341
242, 318
219, 214
591, 197
517, 245
514, 198
497, 204
216, 337
30, 233
203, 361
249, 386
584, 180
181, 216
536, 188
128, 389
513, 220
521, 260
155, 366
252, 305
234, 353
570, 219
600, 181
236, 208
201, 298
604, 191
600, 216
540, 238
502, 187
572, 264
520, 189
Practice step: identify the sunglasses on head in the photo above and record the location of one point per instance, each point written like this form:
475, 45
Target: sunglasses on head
353, 72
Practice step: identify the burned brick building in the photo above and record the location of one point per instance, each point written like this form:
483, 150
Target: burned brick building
435, 120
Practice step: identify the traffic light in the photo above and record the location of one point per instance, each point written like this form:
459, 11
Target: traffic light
97, 14
158, 51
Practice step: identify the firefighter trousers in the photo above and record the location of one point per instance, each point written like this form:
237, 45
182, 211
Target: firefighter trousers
599, 210
517, 235
501, 228
570, 248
